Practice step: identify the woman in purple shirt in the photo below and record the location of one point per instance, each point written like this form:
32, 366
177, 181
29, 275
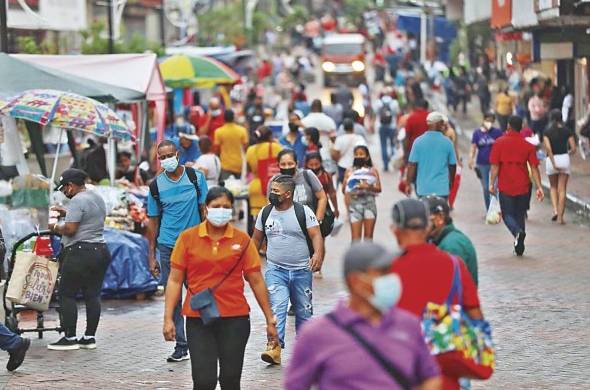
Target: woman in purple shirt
329, 353
481, 144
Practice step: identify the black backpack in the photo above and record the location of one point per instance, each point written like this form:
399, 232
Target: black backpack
385, 115
299, 213
327, 224
193, 176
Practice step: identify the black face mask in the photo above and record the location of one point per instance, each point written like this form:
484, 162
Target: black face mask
274, 199
288, 171
317, 171
293, 127
359, 162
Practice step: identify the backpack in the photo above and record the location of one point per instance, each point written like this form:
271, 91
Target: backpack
327, 224
299, 213
385, 115
193, 176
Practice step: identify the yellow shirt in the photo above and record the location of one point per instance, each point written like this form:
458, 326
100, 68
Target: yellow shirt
253, 154
231, 138
504, 104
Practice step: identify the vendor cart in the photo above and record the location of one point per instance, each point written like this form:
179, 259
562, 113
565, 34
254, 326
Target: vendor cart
12, 309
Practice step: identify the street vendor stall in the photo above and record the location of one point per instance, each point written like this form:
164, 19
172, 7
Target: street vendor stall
68, 111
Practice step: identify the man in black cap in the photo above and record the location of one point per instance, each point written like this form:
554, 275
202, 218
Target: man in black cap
427, 272
84, 257
363, 330
447, 237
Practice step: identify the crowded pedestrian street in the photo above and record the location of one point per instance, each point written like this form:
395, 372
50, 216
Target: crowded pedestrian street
537, 305
297, 195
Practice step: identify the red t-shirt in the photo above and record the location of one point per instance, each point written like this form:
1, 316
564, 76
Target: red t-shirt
426, 273
511, 152
416, 126
216, 123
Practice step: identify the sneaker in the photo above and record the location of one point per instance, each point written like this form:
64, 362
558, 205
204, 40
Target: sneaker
178, 356
291, 311
519, 244
272, 355
17, 355
87, 343
64, 345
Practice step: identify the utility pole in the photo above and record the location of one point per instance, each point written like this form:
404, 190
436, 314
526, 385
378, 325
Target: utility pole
110, 22
3, 27
163, 24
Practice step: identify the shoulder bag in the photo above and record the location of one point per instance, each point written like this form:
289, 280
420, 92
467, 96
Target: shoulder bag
204, 300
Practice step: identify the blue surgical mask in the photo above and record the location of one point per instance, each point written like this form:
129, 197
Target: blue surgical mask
219, 216
387, 290
170, 164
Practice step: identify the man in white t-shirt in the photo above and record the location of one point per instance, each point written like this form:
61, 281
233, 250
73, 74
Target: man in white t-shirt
327, 128
343, 150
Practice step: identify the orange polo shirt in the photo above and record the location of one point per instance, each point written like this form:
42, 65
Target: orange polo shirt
205, 262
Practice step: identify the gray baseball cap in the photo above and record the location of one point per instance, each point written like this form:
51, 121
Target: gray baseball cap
367, 255
411, 214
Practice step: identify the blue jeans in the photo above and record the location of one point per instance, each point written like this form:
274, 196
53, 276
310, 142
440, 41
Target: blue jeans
283, 285
514, 211
8, 340
485, 183
386, 135
181, 343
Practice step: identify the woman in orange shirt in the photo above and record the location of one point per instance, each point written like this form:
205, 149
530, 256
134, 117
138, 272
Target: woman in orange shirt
206, 255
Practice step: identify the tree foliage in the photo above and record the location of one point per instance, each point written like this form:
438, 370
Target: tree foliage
94, 41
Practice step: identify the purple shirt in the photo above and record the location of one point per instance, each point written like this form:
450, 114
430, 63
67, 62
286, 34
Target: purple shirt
484, 141
330, 358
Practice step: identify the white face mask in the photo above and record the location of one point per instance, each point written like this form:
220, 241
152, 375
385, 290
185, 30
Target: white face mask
219, 216
487, 125
387, 291
216, 112
170, 164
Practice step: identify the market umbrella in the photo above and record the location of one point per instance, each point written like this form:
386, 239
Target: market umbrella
66, 111
182, 71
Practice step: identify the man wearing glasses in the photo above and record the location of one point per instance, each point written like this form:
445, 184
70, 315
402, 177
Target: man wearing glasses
176, 202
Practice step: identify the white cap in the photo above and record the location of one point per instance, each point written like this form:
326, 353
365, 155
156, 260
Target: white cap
435, 117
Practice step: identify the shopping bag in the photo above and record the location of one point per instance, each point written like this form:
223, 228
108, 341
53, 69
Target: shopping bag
462, 346
32, 281
494, 215
267, 168
455, 188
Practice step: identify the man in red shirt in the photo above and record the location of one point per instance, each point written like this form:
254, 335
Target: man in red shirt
213, 119
416, 125
427, 272
509, 158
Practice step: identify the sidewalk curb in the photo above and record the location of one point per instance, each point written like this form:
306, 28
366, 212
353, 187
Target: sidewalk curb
577, 205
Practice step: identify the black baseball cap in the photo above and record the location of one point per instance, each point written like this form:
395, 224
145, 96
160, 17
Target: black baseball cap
367, 255
71, 175
411, 214
437, 205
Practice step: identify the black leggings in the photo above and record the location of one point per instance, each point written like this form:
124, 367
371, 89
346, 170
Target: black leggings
224, 340
83, 268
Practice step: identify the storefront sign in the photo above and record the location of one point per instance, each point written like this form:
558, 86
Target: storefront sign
508, 36
58, 15
477, 10
523, 13
501, 13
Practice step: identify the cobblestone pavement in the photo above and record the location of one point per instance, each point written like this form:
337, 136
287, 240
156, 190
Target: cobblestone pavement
538, 306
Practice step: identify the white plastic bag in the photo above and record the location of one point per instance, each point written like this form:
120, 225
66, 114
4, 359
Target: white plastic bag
32, 281
494, 215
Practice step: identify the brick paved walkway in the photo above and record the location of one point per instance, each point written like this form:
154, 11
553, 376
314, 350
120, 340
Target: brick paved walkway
538, 306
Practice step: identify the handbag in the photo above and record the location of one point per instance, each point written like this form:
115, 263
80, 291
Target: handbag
204, 300
267, 168
32, 281
389, 367
463, 346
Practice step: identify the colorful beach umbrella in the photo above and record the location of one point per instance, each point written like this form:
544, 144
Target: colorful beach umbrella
68, 111
182, 71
